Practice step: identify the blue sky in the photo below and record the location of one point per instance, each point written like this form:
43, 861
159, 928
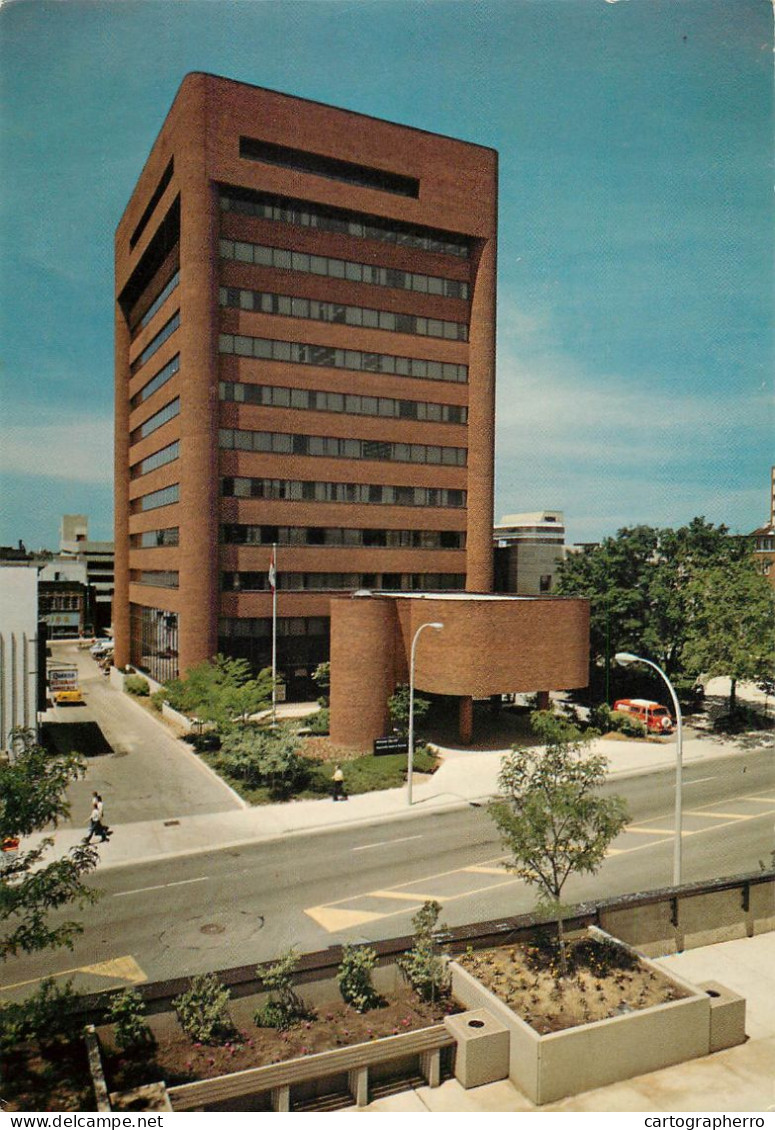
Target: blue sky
635, 354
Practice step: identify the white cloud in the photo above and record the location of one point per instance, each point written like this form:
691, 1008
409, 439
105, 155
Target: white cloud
76, 448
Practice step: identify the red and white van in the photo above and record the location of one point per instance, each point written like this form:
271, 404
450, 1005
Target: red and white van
655, 717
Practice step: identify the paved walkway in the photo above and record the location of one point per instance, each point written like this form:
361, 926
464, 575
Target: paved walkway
464, 777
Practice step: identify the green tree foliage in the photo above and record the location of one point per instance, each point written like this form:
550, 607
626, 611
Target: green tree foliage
354, 977
284, 1008
733, 622
33, 788
321, 677
222, 691
203, 1010
550, 814
267, 758
398, 709
423, 966
46, 1017
638, 585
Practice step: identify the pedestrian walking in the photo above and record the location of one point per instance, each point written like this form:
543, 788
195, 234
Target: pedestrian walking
338, 782
97, 826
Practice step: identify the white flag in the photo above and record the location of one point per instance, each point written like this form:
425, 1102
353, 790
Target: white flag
272, 573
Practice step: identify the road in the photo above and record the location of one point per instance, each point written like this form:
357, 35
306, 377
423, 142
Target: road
232, 907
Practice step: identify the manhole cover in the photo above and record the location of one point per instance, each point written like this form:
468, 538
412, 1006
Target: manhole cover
212, 928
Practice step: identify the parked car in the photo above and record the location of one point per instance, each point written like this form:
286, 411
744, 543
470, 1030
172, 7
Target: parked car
655, 717
70, 696
101, 647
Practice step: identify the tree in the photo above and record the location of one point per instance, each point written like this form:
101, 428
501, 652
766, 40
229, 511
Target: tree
321, 677
637, 586
32, 797
221, 690
550, 815
264, 757
732, 624
425, 969
398, 709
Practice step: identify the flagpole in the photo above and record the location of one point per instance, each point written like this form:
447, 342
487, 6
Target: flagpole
273, 580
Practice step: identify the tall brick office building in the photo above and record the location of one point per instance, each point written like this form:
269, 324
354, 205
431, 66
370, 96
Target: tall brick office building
305, 352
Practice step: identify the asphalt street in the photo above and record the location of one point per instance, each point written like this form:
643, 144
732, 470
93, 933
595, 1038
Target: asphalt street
242, 904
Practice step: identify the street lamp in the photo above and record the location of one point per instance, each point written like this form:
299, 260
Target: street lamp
624, 659
410, 763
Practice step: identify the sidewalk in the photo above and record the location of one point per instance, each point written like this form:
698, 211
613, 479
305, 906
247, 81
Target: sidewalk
464, 778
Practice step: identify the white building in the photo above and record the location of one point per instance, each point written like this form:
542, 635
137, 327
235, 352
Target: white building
528, 550
18, 650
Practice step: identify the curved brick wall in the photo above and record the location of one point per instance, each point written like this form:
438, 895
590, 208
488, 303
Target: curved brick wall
488, 646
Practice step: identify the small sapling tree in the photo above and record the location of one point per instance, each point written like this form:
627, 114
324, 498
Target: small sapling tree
550, 814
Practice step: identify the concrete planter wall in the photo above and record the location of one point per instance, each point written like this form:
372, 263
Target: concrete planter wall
175, 716
551, 1067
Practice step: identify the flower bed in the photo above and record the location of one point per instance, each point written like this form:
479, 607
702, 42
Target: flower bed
176, 1059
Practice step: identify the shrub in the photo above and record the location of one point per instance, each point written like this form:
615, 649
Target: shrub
319, 723
126, 1012
137, 685
625, 724
50, 1014
354, 977
158, 698
263, 757
284, 1007
203, 1010
425, 969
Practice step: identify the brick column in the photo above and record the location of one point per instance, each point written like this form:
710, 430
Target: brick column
121, 652
466, 719
198, 631
363, 633
481, 424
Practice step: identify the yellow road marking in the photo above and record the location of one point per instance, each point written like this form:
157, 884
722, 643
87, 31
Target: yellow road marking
332, 919
117, 969
720, 815
485, 870
420, 898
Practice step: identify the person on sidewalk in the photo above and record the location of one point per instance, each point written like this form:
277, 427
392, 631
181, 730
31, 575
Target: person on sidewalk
338, 782
96, 825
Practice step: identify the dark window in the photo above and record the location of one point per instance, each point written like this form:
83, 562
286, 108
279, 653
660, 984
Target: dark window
331, 167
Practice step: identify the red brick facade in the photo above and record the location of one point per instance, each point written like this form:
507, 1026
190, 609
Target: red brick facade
385, 240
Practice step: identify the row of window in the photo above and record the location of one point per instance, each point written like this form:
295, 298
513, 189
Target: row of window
274, 396
336, 536
323, 582
334, 312
326, 266
154, 641
170, 410
164, 374
336, 447
48, 604
166, 455
301, 353
157, 498
157, 342
157, 303
257, 628
363, 227
153, 539
159, 578
294, 490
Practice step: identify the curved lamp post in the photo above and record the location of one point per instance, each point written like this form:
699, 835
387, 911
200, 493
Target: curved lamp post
410, 750
624, 659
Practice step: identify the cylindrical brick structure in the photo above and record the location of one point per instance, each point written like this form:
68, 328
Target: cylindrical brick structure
363, 638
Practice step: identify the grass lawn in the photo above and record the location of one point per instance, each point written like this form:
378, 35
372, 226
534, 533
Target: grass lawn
362, 774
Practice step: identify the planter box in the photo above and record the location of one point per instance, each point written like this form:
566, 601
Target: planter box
727, 1016
551, 1067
